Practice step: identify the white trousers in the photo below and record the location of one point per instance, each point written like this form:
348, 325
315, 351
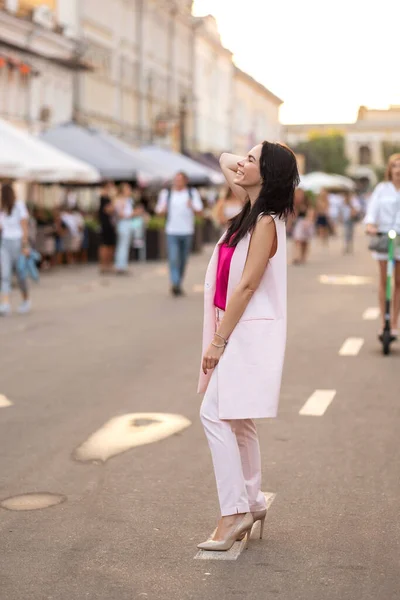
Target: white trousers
236, 457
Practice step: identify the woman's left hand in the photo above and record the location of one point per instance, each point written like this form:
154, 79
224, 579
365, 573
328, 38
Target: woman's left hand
211, 358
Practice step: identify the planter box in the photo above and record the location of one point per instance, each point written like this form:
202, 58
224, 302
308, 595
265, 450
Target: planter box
156, 248
93, 246
198, 239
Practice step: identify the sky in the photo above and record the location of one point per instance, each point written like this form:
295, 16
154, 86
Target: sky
322, 58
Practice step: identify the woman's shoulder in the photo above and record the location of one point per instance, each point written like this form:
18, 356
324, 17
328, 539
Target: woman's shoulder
383, 187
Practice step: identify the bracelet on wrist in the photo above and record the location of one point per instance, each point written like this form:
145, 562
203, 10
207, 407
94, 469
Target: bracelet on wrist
218, 345
222, 338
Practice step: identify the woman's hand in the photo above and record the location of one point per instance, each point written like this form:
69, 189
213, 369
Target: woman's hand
26, 250
212, 357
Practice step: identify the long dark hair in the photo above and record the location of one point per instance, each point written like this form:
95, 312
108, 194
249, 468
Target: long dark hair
280, 177
7, 198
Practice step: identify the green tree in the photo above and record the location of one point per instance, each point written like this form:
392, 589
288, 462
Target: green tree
389, 148
324, 153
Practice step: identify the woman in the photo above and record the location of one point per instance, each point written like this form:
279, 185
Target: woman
303, 230
383, 214
245, 303
125, 212
108, 233
227, 208
14, 219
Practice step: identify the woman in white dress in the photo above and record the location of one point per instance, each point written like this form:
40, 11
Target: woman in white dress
227, 207
383, 214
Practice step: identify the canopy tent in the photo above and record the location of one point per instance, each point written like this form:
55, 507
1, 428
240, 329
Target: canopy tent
86, 144
113, 158
23, 156
173, 163
148, 171
317, 181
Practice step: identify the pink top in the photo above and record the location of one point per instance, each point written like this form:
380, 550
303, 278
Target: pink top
224, 265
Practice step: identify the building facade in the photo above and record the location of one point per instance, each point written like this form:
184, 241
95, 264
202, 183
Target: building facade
37, 66
364, 140
213, 90
255, 113
141, 85
147, 71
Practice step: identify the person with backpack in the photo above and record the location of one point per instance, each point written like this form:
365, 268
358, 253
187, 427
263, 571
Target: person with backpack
179, 205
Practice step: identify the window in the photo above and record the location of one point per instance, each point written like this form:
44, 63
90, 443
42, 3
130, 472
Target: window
364, 155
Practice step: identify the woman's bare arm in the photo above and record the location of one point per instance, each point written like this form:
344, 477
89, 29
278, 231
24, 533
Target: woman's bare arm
229, 167
262, 247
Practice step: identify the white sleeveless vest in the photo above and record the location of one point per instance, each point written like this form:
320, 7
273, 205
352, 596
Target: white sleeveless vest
250, 370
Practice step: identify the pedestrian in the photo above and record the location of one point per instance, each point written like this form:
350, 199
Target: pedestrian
322, 222
303, 229
108, 233
227, 207
350, 211
244, 333
14, 219
179, 205
74, 223
125, 213
383, 215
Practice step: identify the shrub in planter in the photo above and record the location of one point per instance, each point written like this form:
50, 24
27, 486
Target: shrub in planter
93, 232
198, 235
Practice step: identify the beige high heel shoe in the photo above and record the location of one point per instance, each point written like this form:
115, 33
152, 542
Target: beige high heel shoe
242, 529
258, 515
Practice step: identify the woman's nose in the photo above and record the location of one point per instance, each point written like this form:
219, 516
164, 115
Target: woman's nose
240, 163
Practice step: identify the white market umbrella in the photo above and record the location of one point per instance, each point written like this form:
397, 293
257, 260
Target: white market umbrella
31, 158
317, 181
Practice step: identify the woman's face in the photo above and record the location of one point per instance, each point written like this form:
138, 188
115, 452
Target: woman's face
248, 171
126, 190
395, 171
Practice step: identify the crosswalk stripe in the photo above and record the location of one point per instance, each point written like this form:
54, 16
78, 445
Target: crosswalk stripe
351, 347
318, 403
371, 314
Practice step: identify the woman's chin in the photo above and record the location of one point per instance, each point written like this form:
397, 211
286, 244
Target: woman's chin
238, 181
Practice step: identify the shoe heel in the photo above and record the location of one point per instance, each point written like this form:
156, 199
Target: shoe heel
247, 539
262, 528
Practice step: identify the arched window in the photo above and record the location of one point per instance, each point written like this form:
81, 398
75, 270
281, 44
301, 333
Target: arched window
364, 155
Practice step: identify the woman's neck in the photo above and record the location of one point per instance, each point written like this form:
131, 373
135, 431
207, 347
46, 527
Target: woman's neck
253, 193
396, 184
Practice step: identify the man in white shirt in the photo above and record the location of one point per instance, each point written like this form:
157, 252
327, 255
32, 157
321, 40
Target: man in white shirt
180, 205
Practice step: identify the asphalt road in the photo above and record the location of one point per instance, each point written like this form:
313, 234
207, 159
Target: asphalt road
96, 348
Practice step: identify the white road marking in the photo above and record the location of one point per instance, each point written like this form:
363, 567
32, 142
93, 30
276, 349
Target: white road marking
344, 279
371, 314
198, 288
4, 402
351, 347
128, 431
317, 403
238, 547
32, 501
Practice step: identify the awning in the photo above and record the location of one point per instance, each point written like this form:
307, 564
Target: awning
173, 163
22, 156
112, 158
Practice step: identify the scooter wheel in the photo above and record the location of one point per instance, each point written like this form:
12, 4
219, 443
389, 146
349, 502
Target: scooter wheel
386, 341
